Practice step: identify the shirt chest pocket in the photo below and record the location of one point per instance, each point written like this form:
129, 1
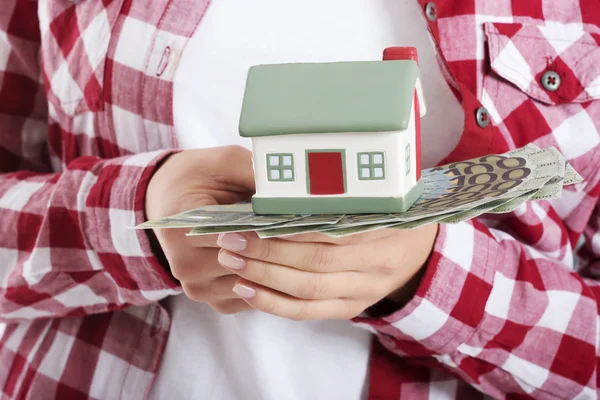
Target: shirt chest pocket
75, 42
554, 64
544, 86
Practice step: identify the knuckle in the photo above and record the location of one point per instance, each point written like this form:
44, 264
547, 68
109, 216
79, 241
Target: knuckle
184, 267
239, 150
270, 307
265, 249
314, 288
388, 267
232, 152
322, 256
178, 270
302, 314
264, 274
212, 289
168, 237
194, 293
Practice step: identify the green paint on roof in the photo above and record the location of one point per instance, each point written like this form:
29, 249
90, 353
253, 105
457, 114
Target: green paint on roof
364, 96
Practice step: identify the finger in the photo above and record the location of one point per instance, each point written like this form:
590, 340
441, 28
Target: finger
346, 240
231, 306
298, 283
211, 290
170, 237
281, 305
193, 264
307, 256
176, 239
202, 240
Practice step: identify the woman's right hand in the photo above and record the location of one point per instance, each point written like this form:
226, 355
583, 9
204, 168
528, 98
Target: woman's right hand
191, 179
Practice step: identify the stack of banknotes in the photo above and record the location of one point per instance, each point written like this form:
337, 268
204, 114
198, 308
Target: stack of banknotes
452, 193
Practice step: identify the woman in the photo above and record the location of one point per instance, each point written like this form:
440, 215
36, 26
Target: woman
92, 309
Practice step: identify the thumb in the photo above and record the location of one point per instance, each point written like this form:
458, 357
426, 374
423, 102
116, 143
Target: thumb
231, 167
201, 177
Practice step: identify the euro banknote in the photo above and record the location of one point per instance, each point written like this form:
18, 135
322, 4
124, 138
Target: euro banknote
452, 193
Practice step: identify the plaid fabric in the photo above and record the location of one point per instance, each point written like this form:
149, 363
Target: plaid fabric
508, 308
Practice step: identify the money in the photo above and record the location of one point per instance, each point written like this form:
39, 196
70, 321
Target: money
289, 231
219, 215
451, 193
571, 176
214, 230
304, 224
476, 182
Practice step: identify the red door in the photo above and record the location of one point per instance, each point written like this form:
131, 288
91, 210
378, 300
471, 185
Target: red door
326, 172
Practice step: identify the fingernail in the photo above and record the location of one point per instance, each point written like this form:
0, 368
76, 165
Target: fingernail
231, 261
244, 291
232, 241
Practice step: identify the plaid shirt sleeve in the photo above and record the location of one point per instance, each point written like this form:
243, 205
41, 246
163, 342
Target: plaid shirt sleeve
507, 314
506, 305
510, 303
57, 259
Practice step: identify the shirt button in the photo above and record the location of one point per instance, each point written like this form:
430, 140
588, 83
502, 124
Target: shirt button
483, 117
551, 81
431, 11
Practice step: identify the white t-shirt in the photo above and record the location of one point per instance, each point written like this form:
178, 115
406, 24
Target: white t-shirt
255, 355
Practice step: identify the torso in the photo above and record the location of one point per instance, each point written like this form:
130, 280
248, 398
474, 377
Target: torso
255, 355
486, 45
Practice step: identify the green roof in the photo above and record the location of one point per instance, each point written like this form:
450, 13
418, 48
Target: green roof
364, 96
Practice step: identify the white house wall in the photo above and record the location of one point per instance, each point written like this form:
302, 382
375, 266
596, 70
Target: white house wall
409, 180
422, 99
387, 142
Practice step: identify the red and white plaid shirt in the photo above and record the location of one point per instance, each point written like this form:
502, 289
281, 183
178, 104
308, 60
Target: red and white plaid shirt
507, 308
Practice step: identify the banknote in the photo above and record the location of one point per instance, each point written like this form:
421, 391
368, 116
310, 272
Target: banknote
571, 176
498, 177
436, 187
552, 188
290, 231
515, 203
311, 220
459, 216
452, 193
354, 230
420, 222
219, 215
549, 164
496, 206
303, 224
213, 230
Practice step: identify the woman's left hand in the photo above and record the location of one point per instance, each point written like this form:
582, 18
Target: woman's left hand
314, 277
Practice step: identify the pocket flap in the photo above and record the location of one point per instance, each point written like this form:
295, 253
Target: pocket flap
524, 54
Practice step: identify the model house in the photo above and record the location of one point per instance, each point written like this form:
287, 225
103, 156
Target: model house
335, 138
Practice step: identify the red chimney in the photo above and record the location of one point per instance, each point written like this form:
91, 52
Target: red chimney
401, 53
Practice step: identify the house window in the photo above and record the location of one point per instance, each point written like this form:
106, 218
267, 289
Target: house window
371, 166
280, 167
407, 158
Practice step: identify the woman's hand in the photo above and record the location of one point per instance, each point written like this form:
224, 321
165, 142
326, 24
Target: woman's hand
192, 179
311, 276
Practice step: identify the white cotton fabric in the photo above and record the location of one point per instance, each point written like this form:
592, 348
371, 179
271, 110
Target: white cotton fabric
254, 355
